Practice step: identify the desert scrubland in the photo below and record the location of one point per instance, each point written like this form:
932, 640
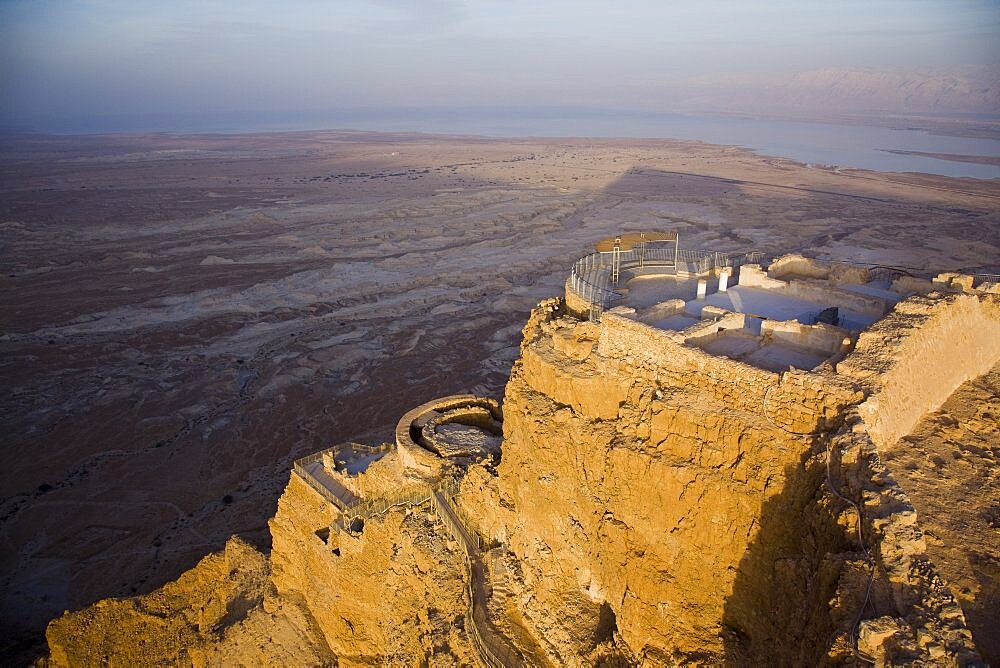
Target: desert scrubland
183, 316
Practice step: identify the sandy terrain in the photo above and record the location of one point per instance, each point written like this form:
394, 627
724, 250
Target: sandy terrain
182, 316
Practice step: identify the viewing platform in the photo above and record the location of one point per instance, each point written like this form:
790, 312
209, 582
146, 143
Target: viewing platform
792, 312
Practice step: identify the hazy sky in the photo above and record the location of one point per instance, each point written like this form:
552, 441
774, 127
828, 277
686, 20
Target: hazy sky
133, 56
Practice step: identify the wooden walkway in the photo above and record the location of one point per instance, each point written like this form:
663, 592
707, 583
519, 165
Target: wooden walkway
327, 486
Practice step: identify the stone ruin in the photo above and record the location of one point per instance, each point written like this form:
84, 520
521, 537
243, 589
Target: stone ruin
727, 416
770, 388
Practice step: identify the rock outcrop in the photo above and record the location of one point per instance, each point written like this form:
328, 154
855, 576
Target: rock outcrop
391, 592
224, 611
653, 504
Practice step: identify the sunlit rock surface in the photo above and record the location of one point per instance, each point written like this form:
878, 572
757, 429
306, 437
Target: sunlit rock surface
673, 506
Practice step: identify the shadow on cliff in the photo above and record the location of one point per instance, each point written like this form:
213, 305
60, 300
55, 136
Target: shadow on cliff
778, 612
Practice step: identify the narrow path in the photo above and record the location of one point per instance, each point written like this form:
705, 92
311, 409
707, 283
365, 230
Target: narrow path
494, 650
327, 486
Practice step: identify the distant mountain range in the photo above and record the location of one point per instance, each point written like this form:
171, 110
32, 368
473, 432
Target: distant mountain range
837, 90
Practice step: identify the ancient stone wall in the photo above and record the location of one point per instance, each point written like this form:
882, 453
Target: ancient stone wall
911, 362
662, 310
388, 593
824, 293
577, 305
752, 276
792, 265
797, 401
821, 337
916, 618
803, 278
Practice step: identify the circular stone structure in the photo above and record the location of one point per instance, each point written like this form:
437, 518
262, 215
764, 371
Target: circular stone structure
452, 427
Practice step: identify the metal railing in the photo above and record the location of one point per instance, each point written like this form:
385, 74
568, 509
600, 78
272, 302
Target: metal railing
493, 653
589, 280
300, 468
366, 507
658, 255
590, 277
979, 279
372, 449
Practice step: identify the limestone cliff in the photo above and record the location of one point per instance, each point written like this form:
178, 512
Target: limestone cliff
652, 504
224, 611
650, 498
393, 592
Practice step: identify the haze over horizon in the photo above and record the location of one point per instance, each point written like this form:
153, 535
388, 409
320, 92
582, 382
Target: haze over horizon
104, 59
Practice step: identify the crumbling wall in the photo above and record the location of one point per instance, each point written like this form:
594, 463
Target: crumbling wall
662, 310
797, 401
824, 293
714, 320
911, 285
911, 362
788, 267
390, 593
797, 266
916, 618
811, 289
821, 337
752, 276
577, 305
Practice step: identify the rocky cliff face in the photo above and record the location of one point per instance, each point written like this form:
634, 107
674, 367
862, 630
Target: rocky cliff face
653, 505
646, 497
391, 592
224, 611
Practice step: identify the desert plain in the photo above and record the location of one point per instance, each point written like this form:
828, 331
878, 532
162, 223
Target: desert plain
182, 316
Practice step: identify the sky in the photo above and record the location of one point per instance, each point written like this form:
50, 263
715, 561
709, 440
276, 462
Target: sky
104, 57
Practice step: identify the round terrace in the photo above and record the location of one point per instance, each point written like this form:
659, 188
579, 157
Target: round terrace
460, 428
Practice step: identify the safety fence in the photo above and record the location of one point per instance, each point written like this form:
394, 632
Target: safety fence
352, 506
592, 276
493, 652
979, 279
342, 498
371, 449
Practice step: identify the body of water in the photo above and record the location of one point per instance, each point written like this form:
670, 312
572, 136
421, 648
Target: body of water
813, 143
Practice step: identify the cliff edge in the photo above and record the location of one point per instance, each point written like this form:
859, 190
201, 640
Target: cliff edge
651, 504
